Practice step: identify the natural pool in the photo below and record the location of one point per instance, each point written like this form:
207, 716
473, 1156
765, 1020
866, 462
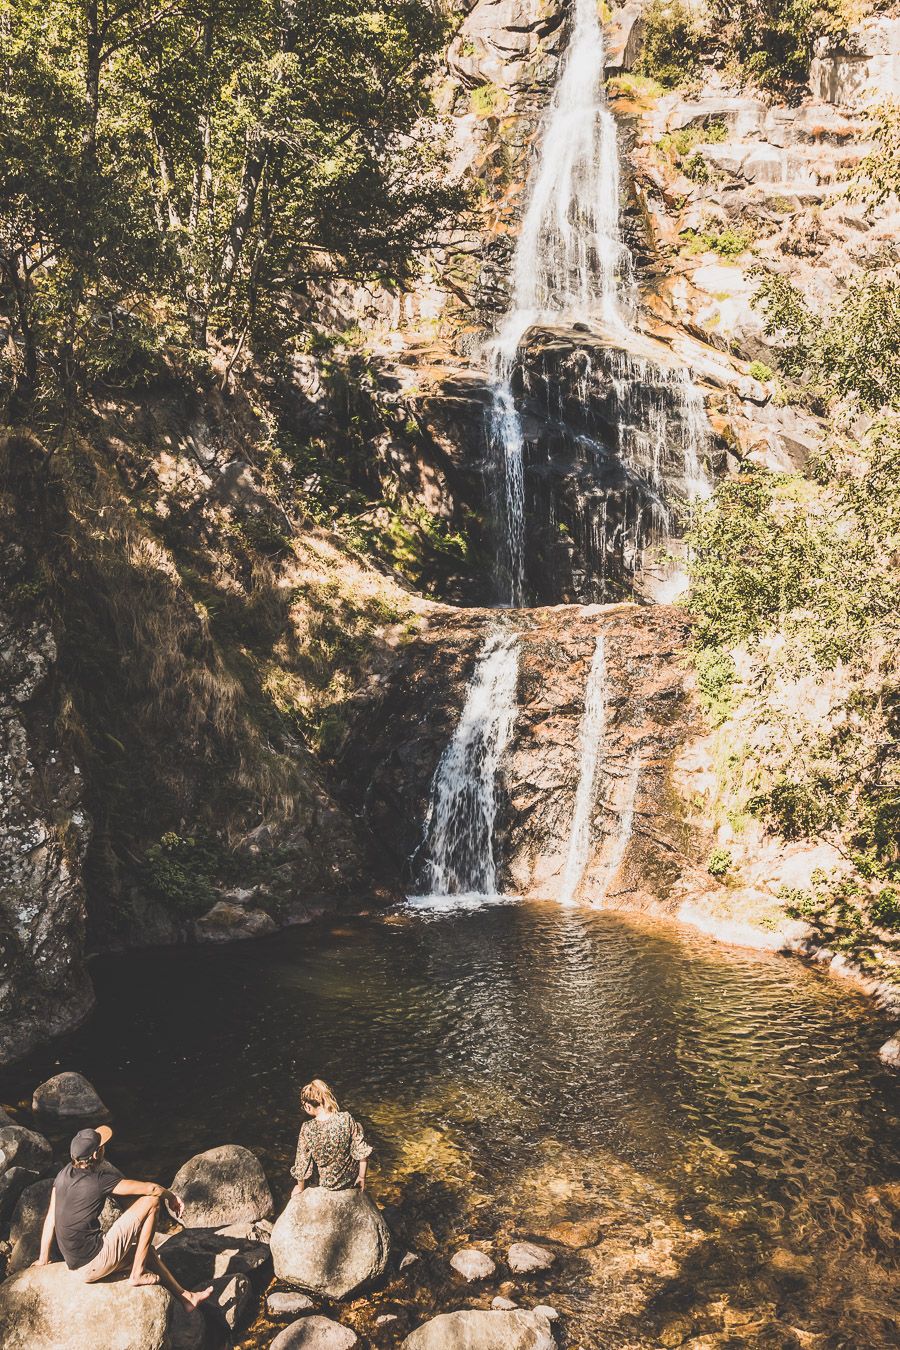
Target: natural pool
717, 1121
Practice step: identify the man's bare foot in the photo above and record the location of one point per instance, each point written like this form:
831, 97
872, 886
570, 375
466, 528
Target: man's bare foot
145, 1277
192, 1299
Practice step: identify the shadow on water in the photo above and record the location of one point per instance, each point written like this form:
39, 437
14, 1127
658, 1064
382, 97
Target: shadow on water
712, 1125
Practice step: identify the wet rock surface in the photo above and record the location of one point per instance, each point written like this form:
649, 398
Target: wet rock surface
648, 716
472, 1264
315, 1333
68, 1094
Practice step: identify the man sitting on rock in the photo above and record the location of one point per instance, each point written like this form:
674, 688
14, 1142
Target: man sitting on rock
78, 1195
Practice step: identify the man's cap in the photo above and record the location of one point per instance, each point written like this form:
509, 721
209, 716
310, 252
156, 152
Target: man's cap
86, 1142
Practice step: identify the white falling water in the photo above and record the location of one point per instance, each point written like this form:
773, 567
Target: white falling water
590, 740
570, 265
463, 802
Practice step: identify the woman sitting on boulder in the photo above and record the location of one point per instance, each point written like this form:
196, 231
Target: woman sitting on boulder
332, 1142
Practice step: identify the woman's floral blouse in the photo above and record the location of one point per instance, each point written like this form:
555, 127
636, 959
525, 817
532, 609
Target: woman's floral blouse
335, 1146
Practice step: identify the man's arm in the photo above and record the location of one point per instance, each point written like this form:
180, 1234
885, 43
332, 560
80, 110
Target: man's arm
125, 1187
47, 1232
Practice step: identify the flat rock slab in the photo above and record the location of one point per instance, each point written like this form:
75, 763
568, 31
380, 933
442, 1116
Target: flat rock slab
288, 1304
330, 1242
577, 1233
473, 1329
68, 1094
315, 1333
223, 1186
51, 1308
472, 1264
198, 1255
526, 1258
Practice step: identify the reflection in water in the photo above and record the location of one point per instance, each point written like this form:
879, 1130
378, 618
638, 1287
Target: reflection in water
715, 1122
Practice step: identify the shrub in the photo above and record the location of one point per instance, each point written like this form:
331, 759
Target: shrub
727, 242
180, 871
718, 862
670, 53
758, 370
853, 348
885, 908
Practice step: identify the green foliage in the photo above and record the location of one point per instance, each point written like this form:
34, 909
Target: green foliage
181, 871
885, 909
715, 681
727, 242
809, 563
174, 174
758, 370
696, 168
718, 862
772, 40
876, 179
488, 100
853, 349
670, 52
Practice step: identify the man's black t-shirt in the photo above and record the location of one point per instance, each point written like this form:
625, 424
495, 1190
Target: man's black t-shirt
80, 1195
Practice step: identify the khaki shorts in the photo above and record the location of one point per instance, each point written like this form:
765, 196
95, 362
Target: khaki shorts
117, 1244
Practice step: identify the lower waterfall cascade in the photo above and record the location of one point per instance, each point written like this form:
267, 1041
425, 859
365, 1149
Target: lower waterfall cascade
463, 803
590, 759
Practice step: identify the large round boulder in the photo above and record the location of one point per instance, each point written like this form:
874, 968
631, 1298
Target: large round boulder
51, 1308
222, 1186
330, 1242
474, 1329
315, 1333
68, 1094
23, 1148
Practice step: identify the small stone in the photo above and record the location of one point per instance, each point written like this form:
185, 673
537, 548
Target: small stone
547, 1311
472, 1264
284, 1303
408, 1259
524, 1258
315, 1333
385, 1319
504, 1304
68, 1094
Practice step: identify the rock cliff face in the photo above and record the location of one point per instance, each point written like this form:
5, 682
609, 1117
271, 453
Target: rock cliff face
44, 828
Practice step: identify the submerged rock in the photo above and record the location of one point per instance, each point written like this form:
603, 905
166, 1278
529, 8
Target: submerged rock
315, 1333
525, 1257
473, 1329
472, 1264
330, 1242
67, 1094
223, 1186
51, 1308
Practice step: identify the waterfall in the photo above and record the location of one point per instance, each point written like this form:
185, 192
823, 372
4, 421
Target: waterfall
570, 265
589, 740
463, 799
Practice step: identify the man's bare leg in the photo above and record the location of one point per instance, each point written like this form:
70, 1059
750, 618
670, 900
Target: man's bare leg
165, 1277
148, 1205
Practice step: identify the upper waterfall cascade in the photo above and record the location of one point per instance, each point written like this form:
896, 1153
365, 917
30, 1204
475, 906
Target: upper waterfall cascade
571, 266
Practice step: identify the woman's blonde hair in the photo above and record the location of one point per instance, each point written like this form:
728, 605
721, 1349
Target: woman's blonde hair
318, 1093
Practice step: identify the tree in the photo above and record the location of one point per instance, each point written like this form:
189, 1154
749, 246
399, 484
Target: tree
177, 170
